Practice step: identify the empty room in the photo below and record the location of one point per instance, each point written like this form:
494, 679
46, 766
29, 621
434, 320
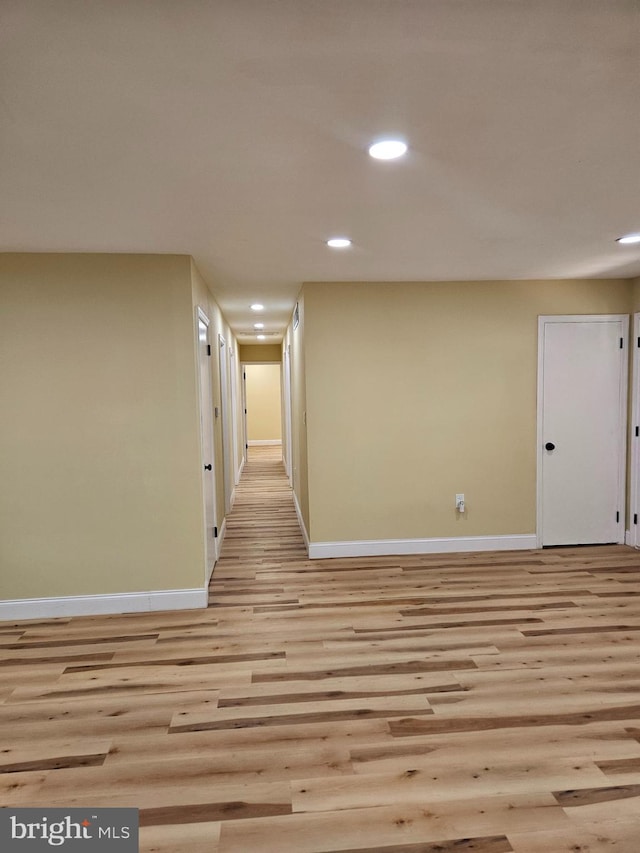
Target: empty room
320, 435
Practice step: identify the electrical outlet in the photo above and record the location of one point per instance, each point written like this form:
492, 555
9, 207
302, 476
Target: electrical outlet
460, 502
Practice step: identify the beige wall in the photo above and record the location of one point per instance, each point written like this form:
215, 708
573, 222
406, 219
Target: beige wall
259, 353
100, 463
415, 392
264, 403
295, 340
635, 306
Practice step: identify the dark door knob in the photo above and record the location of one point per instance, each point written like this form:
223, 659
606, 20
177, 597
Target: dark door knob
207, 467
549, 446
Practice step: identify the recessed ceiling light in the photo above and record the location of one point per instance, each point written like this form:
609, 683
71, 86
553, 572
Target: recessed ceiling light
629, 239
261, 337
388, 149
257, 307
258, 325
339, 242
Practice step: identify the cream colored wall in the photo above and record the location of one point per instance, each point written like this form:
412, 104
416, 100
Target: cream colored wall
264, 403
415, 392
635, 307
260, 353
100, 449
295, 339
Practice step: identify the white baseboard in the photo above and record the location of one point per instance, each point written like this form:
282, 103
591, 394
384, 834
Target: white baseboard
305, 535
389, 547
99, 605
240, 470
258, 441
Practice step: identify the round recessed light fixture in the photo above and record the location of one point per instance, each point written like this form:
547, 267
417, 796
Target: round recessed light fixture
339, 242
629, 239
257, 307
261, 337
388, 149
258, 325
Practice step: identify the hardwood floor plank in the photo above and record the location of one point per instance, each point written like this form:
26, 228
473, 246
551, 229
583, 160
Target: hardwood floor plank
208, 812
431, 780
602, 836
335, 710
493, 844
410, 726
391, 825
171, 838
408, 667
588, 796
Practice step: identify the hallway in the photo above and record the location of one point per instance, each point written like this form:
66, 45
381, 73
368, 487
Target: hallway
483, 702
262, 524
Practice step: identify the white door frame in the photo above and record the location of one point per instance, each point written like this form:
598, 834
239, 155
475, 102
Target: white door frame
233, 378
245, 431
286, 415
622, 460
227, 464
243, 375
633, 535
200, 316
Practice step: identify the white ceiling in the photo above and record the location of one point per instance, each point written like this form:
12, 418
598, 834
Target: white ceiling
236, 131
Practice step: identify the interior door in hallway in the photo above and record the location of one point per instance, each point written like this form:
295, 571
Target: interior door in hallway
225, 411
582, 379
206, 441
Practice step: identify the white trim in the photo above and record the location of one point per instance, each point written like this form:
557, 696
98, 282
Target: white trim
305, 535
98, 605
243, 390
543, 320
389, 547
255, 441
219, 539
287, 456
201, 316
634, 461
233, 390
225, 406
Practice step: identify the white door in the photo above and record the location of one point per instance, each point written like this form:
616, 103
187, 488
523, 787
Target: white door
226, 425
245, 430
206, 442
287, 413
634, 532
233, 389
581, 429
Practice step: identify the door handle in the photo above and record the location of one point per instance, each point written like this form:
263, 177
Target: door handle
549, 446
207, 467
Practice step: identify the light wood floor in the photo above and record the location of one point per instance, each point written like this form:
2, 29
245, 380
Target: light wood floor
479, 702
